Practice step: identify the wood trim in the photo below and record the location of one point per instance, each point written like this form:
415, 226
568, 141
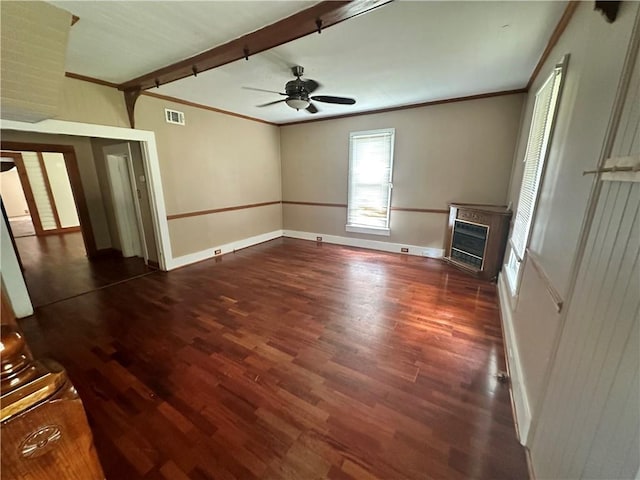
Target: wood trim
553, 39
204, 107
130, 99
28, 192
35, 147
283, 124
315, 204
298, 25
73, 171
420, 210
84, 78
47, 186
537, 266
153, 264
133, 96
75, 180
413, 105
219, 210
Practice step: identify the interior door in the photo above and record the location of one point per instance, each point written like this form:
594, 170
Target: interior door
126, 210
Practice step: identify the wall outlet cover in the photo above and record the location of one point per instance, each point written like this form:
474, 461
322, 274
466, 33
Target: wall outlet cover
217, 252
404, 250
318, 239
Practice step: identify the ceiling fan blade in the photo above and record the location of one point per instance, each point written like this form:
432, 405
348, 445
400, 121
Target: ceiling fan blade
330, 99
310, 85
263, 90
271, 103
312, 108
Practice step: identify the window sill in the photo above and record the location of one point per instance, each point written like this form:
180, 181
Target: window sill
368, 230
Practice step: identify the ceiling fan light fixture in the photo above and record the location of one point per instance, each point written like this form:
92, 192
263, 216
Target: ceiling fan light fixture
298, 102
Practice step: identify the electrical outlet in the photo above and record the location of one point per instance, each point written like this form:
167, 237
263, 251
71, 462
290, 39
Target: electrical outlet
404, 250
318, 239
217, 252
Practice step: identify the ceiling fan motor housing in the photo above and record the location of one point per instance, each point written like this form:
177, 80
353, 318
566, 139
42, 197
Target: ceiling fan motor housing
296, 88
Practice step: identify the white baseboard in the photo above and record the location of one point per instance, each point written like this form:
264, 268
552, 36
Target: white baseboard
226, 248
518, 392
417, 250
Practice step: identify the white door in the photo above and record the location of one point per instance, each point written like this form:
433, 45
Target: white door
125, 204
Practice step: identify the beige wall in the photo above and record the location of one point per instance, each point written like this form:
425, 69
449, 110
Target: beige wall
103, 180
214, 161
86, 102
88, 176
12, 194
456, 152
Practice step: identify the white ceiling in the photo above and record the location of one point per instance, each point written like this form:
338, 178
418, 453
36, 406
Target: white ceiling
120, 40
403, 53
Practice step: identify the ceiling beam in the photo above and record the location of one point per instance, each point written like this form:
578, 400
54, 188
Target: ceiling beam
305, 22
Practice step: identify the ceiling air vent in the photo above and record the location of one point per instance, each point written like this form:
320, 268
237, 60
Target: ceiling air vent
174, 116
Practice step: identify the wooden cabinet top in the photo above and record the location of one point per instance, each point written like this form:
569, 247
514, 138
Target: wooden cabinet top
494, 209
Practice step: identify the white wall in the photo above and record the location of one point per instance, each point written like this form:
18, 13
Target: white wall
598, 51
12, 194
11, 276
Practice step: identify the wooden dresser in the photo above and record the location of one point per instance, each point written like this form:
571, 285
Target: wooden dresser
476, 238
45, 433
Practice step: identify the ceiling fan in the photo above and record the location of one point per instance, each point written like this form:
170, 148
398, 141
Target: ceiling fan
298, 93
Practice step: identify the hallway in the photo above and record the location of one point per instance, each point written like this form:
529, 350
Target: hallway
56, 267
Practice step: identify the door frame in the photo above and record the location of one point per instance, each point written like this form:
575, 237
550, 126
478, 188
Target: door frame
71, 162
18, 294
150, 159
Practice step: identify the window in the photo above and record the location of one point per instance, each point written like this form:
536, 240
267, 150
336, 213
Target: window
370, 175
544, 113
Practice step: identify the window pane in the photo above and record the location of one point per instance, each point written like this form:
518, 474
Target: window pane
544, 110
370, 172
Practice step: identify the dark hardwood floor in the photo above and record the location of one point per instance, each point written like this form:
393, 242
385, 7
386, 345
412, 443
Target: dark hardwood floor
56, 267
291, 360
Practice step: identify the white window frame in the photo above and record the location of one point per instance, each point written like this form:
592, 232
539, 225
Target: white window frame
368, 229
515, 260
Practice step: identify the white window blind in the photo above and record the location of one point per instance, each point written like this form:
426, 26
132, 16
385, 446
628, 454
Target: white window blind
537, 147
370, 176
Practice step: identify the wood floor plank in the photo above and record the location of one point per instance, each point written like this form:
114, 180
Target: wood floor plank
291, 360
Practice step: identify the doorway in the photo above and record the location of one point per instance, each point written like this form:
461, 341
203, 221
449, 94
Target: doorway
126, 208
17, 210
61, 259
